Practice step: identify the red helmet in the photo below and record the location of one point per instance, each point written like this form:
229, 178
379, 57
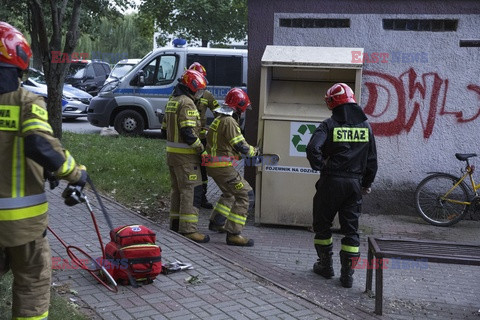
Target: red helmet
339, 94
238, 100
198, 67
194, 80
14, 48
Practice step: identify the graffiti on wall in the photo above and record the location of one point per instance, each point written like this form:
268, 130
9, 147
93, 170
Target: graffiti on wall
396, 104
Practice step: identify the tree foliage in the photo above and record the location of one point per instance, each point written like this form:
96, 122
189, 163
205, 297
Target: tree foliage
56, 25
116, 39
208, 21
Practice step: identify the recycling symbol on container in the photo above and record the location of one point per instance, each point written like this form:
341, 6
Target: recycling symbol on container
300, 139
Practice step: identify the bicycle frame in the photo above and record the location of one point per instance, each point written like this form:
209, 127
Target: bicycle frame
468, 172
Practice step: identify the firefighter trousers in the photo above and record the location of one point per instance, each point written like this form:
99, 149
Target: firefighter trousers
235, 200
185, 195
31, 266
337, 194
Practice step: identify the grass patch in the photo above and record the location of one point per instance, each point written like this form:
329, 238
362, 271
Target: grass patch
132, 170
60, 309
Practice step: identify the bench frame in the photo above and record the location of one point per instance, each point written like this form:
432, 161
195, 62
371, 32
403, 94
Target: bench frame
375, 252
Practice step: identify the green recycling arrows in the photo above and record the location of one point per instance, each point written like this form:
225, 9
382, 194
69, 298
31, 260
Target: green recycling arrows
301, 145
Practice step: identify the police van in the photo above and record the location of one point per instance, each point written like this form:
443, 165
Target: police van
136, 102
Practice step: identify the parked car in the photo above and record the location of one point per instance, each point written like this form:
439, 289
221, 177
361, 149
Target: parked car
88, 75
121, 68
74, 101
137, 101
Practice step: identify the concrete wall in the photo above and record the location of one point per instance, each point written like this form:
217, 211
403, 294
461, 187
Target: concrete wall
423, 100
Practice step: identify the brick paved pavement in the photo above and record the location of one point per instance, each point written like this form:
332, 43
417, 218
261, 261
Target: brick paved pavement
272, 280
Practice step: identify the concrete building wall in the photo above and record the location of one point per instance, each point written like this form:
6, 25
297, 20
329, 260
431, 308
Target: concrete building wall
422, 95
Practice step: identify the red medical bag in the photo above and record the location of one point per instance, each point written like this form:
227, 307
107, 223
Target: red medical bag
133, 251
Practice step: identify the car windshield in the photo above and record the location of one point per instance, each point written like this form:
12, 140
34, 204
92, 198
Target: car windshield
76, 70
36, 76
120, 70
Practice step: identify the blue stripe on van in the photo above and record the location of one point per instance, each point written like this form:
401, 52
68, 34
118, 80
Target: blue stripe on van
159, 91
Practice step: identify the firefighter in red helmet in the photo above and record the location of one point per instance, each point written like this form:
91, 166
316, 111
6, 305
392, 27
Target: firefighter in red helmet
224, 143
182, 124
28, 150
207, 101
343, 149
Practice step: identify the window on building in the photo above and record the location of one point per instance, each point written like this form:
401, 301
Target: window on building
434, 25
470, 43
314, 23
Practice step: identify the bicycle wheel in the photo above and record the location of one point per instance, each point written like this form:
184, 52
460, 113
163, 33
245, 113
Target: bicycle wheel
436, 209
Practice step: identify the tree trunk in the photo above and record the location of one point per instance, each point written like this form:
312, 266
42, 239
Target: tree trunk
204, 43
55, 91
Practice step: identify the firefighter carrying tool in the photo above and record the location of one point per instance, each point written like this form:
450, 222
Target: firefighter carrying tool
224, 143
183, 155
27, 150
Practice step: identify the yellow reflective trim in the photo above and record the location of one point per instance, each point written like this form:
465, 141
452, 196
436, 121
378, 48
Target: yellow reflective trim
188, 217
239, 185
68, 165
251, 151
9, 118
236, 139
171, 106
43, 316
214, 124
192, 177
237, 218
323, 242
33, 124
192, 113
219, 164
197, 143
203, 101
343, 134
351, 249
188, 123
222, 209
23, 213
215, 105
174, 215
18, 168
213, 148
40, 112
181, 150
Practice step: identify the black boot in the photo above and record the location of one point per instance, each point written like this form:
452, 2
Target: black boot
174, 224
205, 204
349, 261
324, 264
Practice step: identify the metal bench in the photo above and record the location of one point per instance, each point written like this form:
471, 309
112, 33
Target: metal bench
431, 251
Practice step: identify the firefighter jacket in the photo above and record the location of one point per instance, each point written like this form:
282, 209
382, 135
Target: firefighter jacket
182, 123
344, 145
204, 103
225, 143
27, 147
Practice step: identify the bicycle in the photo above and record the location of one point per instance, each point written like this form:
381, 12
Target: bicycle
443, 199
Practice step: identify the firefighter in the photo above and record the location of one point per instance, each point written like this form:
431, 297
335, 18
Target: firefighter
184, 148
343, 149
207, 101
27, 150
225, 143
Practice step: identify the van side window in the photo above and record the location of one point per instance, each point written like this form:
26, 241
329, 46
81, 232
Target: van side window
161, 70
221, 70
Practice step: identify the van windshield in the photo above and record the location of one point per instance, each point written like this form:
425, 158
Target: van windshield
120, 70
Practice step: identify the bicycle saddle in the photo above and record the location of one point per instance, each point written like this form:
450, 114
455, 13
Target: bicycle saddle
464, 156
